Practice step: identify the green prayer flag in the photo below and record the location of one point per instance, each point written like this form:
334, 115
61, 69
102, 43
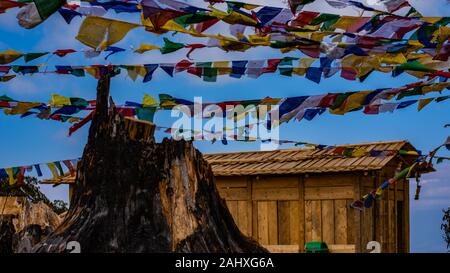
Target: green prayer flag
147, 113
31, 56
324, 17
340, 99
78, 102
286, 71
59, 167
413, 92
414, 66
48, 7
209, 74
439, 99
170, 46
5, 98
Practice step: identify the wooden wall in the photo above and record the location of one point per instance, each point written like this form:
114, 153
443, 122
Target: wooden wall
284, 212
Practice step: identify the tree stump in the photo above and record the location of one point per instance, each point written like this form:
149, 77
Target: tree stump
135, 195
6, 234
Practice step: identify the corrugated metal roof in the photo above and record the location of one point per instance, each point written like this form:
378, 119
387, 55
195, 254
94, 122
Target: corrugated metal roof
301, 160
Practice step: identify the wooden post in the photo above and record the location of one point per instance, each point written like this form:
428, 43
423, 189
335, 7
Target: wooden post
301, 212
357, 225
406, 216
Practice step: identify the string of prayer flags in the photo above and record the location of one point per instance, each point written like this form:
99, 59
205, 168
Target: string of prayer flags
368, 199
15, 175
303, 107
421, 165
210, 71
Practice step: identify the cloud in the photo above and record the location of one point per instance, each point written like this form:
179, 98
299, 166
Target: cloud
435, 191
23, 86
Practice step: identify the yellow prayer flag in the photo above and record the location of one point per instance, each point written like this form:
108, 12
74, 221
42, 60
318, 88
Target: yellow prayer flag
379, 191
146, 47
10, 173
59, 101
303, 65
52, 169
392, 58
431, 20
436, 87
149, 101
259, 40
359, 152
345, 22
233, 17
132, 73
423, 103
91, 71
99, 33
9, 56
171, 25
352, 102
21, 108
250, 6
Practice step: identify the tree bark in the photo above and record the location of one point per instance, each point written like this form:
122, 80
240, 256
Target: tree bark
6, 234
135, 195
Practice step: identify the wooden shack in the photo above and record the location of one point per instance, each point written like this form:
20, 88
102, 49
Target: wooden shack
285, 198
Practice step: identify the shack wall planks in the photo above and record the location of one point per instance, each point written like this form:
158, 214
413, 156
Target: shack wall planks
340, 222
328, 221
291, 210
263, 222
284, 222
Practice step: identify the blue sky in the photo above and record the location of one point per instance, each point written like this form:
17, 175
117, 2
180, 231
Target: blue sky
29, 140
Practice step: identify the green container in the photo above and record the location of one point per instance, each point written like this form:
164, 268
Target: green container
316, 247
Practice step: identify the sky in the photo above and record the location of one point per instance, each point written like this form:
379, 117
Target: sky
29, 140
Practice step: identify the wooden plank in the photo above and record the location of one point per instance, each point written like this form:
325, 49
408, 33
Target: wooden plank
350, 224
308, 221
342, 248
328, 221
316, 221
283, 223
255, 220
387, 233
301, 214
340, 222
282, 248
273, 194
231, 183
294, 222
232, 207
249, 207
243, 217
263, 223
401, 185
236, 194
395, 218
379, 222
357, 214
392, 227
276, 182
331, 193
273, 222
367, 228
335, 181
